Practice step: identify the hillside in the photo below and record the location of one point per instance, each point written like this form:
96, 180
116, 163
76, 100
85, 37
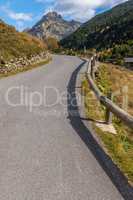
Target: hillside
14, 44
53, 25
114, 27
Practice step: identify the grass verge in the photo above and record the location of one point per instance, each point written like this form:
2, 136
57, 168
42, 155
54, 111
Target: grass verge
119, 147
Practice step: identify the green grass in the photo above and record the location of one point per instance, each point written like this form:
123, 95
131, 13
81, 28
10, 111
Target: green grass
120, 146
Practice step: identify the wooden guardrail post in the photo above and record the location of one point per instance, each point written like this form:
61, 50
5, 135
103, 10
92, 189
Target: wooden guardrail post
125, 98
109, 115
108, 103
89, 66
92, 68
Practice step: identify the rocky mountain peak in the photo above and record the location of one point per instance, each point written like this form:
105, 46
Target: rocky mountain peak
53, 25
53, 15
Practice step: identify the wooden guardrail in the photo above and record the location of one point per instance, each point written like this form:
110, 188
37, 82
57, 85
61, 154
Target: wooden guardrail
106, 101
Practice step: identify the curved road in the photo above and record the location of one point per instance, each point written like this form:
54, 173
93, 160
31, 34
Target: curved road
41, 155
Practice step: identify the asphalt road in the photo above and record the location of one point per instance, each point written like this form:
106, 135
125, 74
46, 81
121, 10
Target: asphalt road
41, 155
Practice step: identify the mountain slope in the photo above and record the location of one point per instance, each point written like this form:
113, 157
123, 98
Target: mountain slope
14, 44
104, 30
53, 25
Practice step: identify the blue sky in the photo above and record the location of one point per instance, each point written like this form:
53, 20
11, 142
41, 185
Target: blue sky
25, 13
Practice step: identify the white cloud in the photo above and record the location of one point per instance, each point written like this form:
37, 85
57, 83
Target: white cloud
78, 9
19, 18
16, 16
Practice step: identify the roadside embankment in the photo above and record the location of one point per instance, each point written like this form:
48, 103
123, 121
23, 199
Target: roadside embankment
23, 64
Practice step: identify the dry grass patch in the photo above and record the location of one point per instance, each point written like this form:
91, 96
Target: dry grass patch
116, 78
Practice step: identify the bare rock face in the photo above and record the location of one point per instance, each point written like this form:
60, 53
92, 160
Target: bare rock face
53, 25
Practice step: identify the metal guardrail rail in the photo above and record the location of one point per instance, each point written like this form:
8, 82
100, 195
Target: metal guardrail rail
110, 106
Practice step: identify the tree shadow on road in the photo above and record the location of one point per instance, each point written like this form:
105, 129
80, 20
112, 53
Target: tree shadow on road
104, 160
